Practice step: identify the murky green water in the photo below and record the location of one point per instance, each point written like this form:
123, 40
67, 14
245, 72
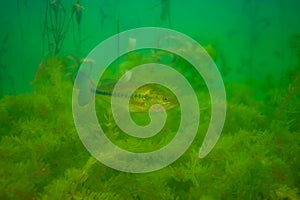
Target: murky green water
256, 47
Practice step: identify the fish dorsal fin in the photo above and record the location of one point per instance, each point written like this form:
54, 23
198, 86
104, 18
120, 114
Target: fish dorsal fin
107, 82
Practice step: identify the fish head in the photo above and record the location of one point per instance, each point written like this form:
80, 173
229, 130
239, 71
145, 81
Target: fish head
163, 97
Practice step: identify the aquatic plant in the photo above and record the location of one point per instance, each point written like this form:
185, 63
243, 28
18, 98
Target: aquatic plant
57, 23
165, 8
77, 10
284, 99
42, 157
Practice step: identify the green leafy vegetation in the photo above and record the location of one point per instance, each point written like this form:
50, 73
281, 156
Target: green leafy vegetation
42, 157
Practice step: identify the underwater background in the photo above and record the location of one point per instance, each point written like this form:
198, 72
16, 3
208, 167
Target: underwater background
256, 46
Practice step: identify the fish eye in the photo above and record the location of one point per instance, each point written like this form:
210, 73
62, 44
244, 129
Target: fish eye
165, 99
